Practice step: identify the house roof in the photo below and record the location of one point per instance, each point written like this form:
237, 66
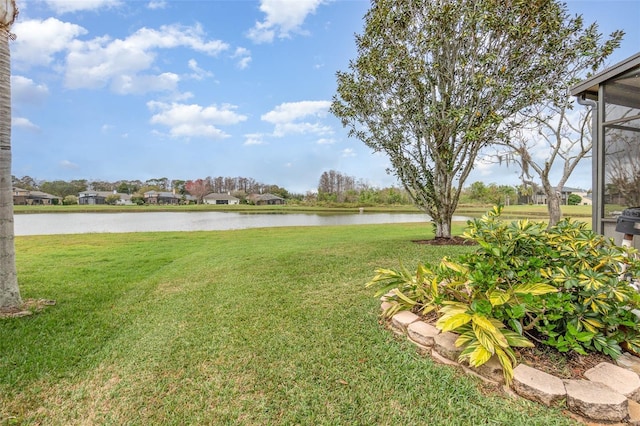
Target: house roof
216, 196
104, 194
163, 194
40, 194
266, 197
589, 87
32, 194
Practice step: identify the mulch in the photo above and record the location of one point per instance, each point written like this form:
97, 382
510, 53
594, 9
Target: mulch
29, 307
545, 358
570, 365
453, 241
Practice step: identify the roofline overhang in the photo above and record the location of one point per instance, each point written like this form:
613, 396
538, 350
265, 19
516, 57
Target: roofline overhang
589, 87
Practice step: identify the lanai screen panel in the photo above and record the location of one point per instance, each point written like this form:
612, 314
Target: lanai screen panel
621, 133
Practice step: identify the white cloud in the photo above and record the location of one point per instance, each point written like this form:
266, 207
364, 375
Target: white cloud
326, 141
24, 123
290, 111
348, 152
126, 84
177, 97
66, 164
283, 129
66, 6
244, 62
156, 4
283, 17
194, 120
485, 166
38, 41
103, 61
254, 139
287, 118
244, 57
24, 90
106, 128
198, 73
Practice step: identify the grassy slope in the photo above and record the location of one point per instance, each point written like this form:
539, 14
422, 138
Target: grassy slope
265, 326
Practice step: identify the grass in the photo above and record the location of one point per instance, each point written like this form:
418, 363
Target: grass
538, 212
261, 326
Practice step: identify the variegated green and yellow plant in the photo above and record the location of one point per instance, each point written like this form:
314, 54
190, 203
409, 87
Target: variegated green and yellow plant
560, 286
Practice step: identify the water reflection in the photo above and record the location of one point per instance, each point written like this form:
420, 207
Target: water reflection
84, 223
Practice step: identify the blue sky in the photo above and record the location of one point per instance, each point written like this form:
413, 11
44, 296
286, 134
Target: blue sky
112, 89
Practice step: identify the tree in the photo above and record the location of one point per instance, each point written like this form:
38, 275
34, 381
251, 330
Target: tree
112, 199
477, 191
198, 188
178, 186
9, 290
554, 128
128, 186
161, 183
100, 185
70, 200
434, 82
574, 199
63, 188
335, 186
26, 182
525, 192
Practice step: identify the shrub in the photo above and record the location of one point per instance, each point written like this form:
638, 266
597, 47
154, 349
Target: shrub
112, 199
70, 200
561, 286
574, 199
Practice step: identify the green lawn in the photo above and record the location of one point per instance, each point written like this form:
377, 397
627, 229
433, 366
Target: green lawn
538, 212
257, 327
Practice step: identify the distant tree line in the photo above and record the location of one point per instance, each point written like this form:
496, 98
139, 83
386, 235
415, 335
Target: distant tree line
491, 194
334, 187
337, 187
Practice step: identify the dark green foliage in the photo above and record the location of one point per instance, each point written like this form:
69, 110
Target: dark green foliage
574, 199
434, 83
565, 286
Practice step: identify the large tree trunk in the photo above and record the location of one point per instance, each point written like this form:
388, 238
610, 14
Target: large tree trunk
553, 207
9, 291
443, 228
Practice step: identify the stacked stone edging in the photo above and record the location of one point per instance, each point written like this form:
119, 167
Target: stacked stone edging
609, 393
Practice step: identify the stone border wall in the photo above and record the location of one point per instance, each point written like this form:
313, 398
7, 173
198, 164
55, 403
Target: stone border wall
609, 393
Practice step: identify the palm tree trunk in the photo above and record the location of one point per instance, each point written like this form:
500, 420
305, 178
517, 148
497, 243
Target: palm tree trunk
9, 291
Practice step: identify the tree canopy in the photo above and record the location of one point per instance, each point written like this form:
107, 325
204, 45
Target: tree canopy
434, 82
555, 127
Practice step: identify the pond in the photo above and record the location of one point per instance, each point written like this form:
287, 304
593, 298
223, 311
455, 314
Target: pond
84, 223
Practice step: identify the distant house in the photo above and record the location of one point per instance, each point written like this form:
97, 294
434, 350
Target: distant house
20, 196
265, 199
100, 197
214, 198
24, 197
155, 197
541, 198
586, 198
